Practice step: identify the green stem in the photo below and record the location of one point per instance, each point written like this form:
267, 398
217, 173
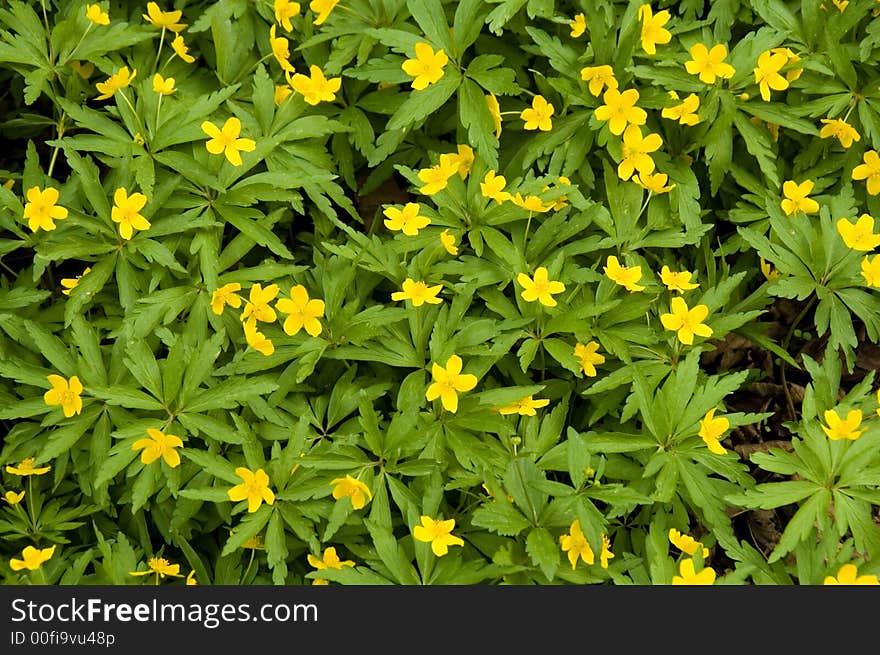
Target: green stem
159, 51
248, 569
782, 366
78, 43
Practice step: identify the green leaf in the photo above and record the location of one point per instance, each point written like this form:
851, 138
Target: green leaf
500, 517
543, 551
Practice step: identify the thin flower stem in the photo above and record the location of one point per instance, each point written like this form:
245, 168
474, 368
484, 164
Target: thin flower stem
782, 366
159, 51
79, 43
158, 108
248, 569
30, 502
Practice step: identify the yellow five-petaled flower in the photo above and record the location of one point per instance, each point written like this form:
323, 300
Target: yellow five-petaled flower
540, 288
159, 445
847, 428
796, 198
32, 558
314, 87
160, 567
126, 211
119, 80
686, 322
448, 382
653, 31
524, 406
426, 67
302, 312
257, 307
66, 393
226, 140
356, 490
625, 276
537, 117
620, 110
689, 576
575, 544
41, 209
406, 219
677, 281
859, 235
164, 19
226, 295
848, 574
254, 488
438, 533
709, 64
869, 170
96, 15
329, 560
418, 292
26, 467
588, 357
711, 430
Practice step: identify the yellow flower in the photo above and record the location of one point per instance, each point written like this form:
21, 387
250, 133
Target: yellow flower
406, 220
426, 67
26, 467
119, 80
599, 77
438, 534
586, 353
625, 276
495, 112
537, 117
540, 288
524, 406
767, 75
561, 201
686, 322
848, 575
871, 271
606, 553
620, 110
869, 170
792, 74
652, 29
163, 85
448, 382
284, 11
32, 558
356, 490
709, 64
839, 428
256, 339
689, 576
13, 498
160, 566
70, 283
181, 50
462, 160
839, 129
126, 212
96, 15
159, 445
330, 560
65, 393
531, 203
686, 543
418, 292
685, 112
322, 8
280, 50
226, 140
769, 272
680, 282
841, 5
578, 25
576, 545
302, 311
859, 235
281, 93
226, 295
635, 152
492, 187
163, 19
796, 199
191, 578
448, 241
653, 182
257, 306
711, 429
437, 177
41, 210
317, 88
254, 488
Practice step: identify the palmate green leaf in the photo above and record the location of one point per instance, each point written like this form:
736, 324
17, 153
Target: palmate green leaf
758, 144
276, 548
467, 24
500, 517
501, 15
801, 524
543, 551
475, 117
250, 223
126, 397
230, 393
431, 18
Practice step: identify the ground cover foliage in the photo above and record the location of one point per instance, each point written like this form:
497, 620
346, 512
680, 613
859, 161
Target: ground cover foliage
430, 292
